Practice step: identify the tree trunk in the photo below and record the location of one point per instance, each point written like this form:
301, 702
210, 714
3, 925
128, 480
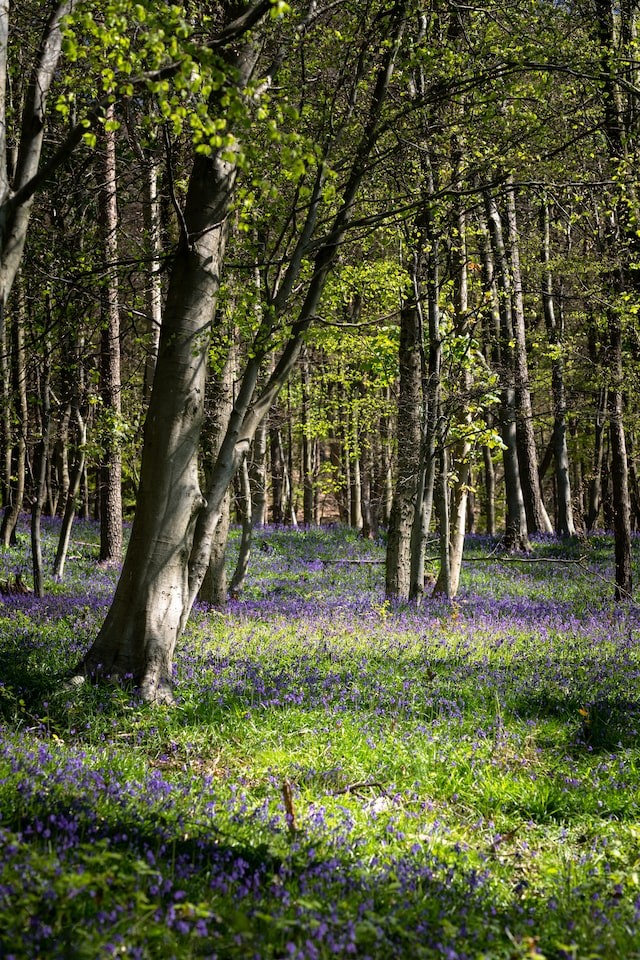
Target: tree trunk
40, 476
537, 517
308, 513
219, 404
170, 542
595, 484
499, 284
430, 402
111, 545
244, 553
16, 198
142, 626
258, 476
71, 500
443, 583
619, 472
18, 460
566, 525
489, 488
409, 429
277, 472
154, 284
449, 577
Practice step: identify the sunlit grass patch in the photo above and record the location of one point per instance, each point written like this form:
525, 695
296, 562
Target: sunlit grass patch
340, 776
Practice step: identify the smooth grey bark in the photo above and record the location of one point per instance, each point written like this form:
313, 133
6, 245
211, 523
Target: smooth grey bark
16, 198
153, 292
111, 538
219, 404
498, 281
355, 486
246, 537
308, 447
566, 526
258, 476
448, 579
430, 398
537, 517
384, 479
369, 514
443, 583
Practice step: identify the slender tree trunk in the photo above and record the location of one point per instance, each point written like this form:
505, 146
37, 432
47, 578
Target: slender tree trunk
386, 464
277, 472
566, 525
18, 461
111, 544
219, 404
398, 558
40, 476
443, 582
426, 260
242, 564
616, 25
489, 491
449, 577
595, 484
308, 517
537, 517
16, 199
154, 283
71, 500
499, 284
357, 521
369, 516
619, 471
258, 475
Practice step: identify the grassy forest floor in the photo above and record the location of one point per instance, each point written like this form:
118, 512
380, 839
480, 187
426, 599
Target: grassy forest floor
340, 777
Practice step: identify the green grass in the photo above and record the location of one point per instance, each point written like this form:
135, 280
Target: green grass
340, 777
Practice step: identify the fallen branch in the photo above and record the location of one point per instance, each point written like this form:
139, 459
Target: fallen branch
361, 785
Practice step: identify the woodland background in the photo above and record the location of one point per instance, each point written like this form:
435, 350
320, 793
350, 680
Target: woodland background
457, 187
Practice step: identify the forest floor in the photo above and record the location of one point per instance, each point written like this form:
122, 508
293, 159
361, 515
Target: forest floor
341, 777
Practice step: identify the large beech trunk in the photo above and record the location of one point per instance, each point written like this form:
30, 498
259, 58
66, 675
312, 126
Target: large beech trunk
142, 626
170, 544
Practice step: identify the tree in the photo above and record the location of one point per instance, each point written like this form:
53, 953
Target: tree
170, 543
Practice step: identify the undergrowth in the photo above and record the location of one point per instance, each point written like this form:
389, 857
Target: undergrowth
341, 776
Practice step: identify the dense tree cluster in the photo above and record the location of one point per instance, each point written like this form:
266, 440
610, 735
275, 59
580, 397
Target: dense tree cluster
369, 261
